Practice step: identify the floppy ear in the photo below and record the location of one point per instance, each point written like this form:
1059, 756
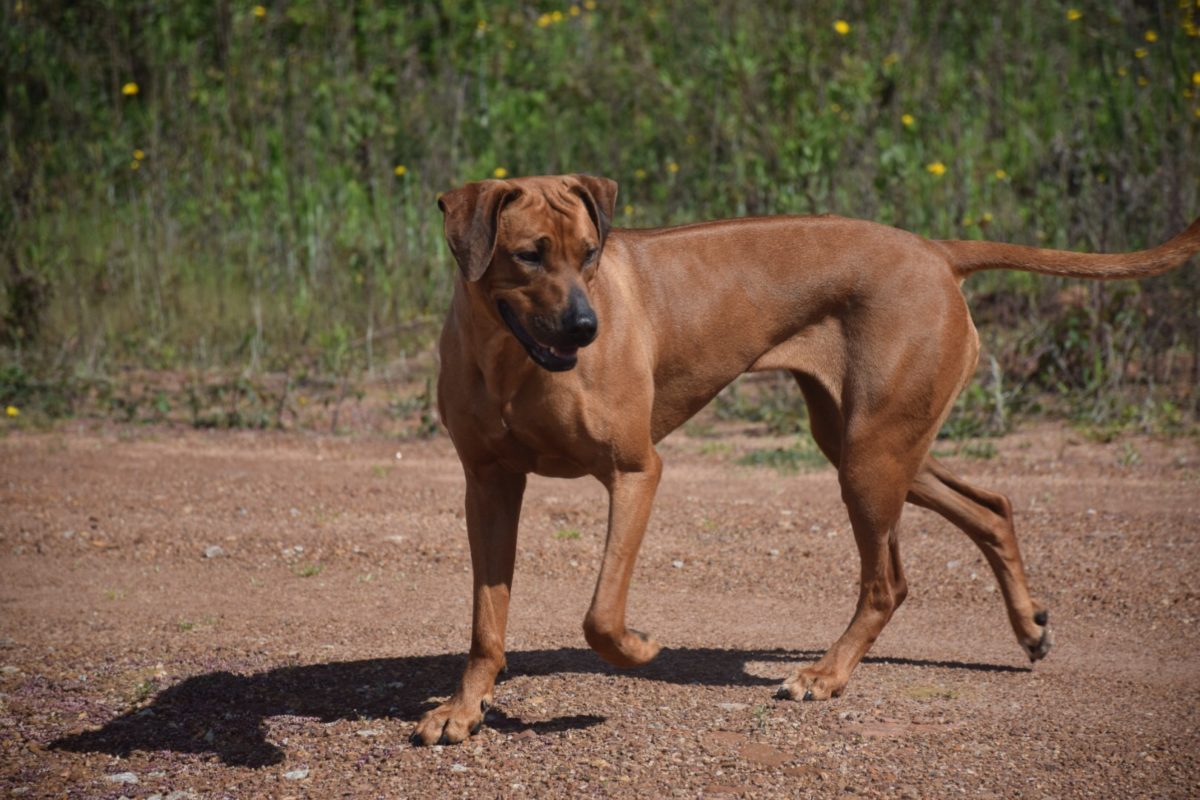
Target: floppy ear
471, 215
600, 197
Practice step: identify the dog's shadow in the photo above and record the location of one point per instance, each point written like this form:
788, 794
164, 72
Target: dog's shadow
224, 713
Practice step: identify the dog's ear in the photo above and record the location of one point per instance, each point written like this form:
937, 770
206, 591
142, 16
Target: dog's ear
471, 215
600, 197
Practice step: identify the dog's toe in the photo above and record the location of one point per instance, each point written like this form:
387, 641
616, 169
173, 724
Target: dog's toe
1041, 648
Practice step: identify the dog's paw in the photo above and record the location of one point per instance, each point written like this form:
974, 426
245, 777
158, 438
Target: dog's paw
450, 723
809, 684
631, 648
1039, 648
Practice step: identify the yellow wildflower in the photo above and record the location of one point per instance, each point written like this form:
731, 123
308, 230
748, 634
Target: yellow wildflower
842, 27
639, 173
1151, 36
1197, 112
1000, 175
985, 218
936, 168
129, 89
135, 165
1142, 81
1074, 15
543, 21
967, 221
908, 120
1122, 72
574, 11
890, 58
628, 209
1141, 52
672, 168
400, 170
1196, 78
138, 155
590, 5
13, 411
481, 26
557, 16
260, 11
500, 172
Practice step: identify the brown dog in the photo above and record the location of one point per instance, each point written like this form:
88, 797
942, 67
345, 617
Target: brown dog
868, 319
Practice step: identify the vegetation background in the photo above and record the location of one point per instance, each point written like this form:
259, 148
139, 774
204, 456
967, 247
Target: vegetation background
224, 210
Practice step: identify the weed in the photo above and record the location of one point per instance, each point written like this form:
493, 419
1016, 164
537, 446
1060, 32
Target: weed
760, 714
802, 455
567, 534
1129, 455
307, 570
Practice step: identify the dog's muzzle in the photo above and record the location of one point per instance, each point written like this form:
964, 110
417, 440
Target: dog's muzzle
579, 327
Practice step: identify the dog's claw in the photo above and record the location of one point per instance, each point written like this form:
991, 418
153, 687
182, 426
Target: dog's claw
808, 695
1042, 617
783, 692
415, 740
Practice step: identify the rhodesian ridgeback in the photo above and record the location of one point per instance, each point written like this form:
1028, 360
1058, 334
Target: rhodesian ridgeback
571, 348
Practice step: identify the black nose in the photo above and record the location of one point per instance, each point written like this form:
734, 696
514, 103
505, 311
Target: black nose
579, 322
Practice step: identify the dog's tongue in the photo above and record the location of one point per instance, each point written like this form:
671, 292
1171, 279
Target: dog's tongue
564, 352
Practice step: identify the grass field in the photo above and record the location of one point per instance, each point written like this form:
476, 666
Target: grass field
249, 190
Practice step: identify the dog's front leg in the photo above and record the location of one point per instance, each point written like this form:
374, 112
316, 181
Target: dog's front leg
493, 510
631, 495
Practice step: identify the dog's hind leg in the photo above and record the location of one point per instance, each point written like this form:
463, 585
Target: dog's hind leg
987, 518
493, 510
877, 461
631, 495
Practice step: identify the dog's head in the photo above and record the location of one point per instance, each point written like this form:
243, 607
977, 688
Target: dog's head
531, 247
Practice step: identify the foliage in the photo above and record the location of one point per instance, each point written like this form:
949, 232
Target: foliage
195, 185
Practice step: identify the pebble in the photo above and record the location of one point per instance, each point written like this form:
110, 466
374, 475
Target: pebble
214, 551
732, 706
677, 564
122, 777
296, 774
370, 732
458, 768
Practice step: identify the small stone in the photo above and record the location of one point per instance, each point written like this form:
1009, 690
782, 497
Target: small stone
370, 732
214, 551
399, 455
458, 768
296, 774
952, 564
677, 564
773, 552
122, 777
732, 706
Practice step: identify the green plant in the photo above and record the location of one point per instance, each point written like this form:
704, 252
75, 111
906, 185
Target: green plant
803, 454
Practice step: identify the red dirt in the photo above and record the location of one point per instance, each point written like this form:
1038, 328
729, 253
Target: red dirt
338, 611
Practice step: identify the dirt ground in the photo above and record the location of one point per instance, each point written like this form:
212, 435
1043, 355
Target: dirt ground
227, 614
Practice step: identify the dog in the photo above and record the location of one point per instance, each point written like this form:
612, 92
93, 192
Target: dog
571, 348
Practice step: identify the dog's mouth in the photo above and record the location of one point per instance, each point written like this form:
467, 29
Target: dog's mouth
548, 357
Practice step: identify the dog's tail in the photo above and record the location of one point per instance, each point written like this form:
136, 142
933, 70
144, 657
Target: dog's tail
966, 257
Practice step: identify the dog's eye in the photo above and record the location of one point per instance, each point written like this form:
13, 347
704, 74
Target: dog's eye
590, 255
531, 257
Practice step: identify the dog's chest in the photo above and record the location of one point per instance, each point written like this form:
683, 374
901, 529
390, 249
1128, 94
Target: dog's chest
531, 437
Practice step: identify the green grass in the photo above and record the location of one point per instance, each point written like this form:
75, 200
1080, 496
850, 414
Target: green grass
567, 534
802, 455
265, 201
